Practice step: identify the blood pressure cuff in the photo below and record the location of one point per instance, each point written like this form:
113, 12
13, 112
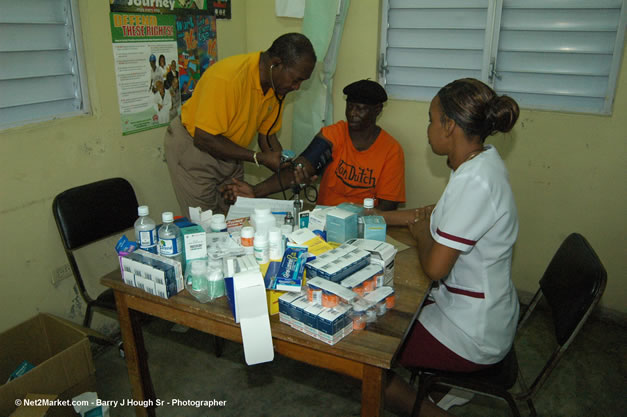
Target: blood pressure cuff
318, 153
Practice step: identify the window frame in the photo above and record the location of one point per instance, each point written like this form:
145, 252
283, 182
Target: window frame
490, 53
78, 74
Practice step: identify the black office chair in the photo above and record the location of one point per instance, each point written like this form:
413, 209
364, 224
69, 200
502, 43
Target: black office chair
572, 285
87, 214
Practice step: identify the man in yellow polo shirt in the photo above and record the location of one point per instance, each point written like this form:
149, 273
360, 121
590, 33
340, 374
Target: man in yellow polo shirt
235, 98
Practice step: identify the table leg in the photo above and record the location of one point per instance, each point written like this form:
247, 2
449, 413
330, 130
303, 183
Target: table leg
135, 353
372, 391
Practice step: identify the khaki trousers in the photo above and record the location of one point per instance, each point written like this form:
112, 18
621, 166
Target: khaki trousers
196, 175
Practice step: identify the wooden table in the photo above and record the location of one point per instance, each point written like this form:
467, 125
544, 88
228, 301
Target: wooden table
364, 355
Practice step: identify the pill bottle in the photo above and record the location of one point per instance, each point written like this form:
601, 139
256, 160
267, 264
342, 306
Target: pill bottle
218, 223
381, 308
390, 301
370, 284
359, 290
371, 315
379, 278
261, 248
199, 276
314, 294
359, 319
275, 244
215, 284
247, 238
329, 299
262, 220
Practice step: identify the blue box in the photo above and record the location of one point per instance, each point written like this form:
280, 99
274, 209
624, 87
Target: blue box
374, 228
332, 321
341, 225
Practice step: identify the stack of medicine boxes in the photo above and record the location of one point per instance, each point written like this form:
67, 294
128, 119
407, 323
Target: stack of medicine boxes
157, 275
344, 273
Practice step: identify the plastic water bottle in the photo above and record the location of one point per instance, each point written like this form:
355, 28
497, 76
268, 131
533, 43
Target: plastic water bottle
145, 230
368, 210
170, 241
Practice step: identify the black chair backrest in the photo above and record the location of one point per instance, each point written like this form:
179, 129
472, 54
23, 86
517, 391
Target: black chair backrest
571, 283
91, 212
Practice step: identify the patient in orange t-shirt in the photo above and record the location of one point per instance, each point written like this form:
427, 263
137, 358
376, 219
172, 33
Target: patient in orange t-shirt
356, 158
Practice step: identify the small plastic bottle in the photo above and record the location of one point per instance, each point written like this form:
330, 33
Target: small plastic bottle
145, 230
368, 210
288, 220
247, 239
215, 287
199, 276
275, 244
298, 206
218, 223
261, 248
170, 238
262, 220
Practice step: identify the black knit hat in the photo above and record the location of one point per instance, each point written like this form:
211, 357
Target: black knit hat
365, 92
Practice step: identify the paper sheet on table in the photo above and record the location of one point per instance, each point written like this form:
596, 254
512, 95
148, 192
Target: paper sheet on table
245, 206
252, 310
398, 245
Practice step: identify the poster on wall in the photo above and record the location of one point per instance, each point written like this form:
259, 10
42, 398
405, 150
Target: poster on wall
218, 8
197, 48
145, 57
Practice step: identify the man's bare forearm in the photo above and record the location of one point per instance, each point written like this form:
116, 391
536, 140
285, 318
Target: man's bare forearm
269, 143
272, 185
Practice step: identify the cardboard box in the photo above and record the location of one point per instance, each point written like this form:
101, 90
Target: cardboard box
60, 352
382, 253
26, 410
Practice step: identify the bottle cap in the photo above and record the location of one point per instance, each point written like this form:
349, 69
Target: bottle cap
143, 210
274, 233
369, 202
247, 232
167, 216
217, 218
262, 211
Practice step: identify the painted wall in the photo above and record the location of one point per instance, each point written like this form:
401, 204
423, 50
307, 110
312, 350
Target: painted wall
41, 160
567, 170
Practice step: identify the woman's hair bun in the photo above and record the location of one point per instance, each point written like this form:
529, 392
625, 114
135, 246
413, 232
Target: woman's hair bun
501, 114
477, 109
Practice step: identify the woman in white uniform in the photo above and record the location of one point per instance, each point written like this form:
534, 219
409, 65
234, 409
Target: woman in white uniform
465, 244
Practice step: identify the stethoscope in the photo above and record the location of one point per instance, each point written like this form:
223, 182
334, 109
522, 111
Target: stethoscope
296, 188
280, 100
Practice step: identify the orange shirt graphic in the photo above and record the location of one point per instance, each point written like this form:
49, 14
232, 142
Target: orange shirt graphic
352, 175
